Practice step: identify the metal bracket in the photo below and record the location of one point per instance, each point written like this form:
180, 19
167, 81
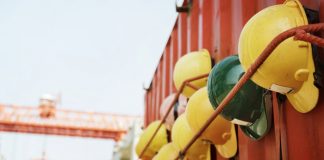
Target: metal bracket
186, 8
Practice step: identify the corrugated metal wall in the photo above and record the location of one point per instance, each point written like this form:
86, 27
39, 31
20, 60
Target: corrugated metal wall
216, 26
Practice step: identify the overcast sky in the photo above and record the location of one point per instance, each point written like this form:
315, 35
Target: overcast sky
96, 53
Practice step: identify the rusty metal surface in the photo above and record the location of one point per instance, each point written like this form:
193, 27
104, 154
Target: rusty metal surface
305, 132
222, 22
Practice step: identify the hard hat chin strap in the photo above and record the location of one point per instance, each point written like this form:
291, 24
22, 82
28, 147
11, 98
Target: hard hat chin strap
175, 111
213, 152
168, 133
268, 104
313, 17
319, 67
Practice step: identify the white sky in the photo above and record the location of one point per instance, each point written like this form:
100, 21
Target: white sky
96, 53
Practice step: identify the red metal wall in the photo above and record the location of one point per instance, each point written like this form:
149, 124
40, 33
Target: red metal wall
216, 26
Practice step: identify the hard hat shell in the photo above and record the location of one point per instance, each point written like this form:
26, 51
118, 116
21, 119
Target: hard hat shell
245, 107
289, 69
262, 125
228, 149
178, 109
219, 132
198, 111
148, 154
158, 141
192, 65
182, 104
169, 151
182, 134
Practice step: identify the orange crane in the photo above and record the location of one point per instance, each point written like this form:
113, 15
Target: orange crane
47, 119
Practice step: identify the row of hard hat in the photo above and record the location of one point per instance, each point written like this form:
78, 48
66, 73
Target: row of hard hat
288, 70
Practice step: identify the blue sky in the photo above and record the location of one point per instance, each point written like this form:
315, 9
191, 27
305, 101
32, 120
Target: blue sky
96, 53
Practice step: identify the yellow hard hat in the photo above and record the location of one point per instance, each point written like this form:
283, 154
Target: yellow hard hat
178, 109
148, 154
158, 141
192, 65
289, 69
182, 134
169, 151
220, 132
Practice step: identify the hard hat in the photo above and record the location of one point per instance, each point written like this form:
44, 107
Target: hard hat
158, 141
169, 151
289, 69
182, 134
182, 104
178, 109
192, 65
247, 105
219, 132
183, 101
262, 125
148, 154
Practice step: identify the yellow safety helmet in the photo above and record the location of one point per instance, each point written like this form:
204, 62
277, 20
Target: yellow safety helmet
169, 151
289, 69
178, 109
159, 140
182, 134
148, 154
192, 65
220, 132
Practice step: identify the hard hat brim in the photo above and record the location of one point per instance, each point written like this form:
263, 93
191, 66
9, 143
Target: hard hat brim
262, 125
228, 149
305, 99
168, 151
158, 141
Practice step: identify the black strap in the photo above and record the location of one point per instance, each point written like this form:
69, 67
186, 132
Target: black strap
213, 152
313, 17
213, 63
175, 111
168, 136
319, 67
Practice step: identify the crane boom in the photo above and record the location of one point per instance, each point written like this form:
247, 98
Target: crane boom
23, 119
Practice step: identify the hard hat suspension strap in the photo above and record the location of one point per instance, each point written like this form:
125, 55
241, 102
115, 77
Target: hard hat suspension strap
213, 152
313, 17
319, 67
168, 133
175, 111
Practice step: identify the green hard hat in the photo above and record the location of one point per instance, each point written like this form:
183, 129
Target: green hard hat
247, 106
262, 125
